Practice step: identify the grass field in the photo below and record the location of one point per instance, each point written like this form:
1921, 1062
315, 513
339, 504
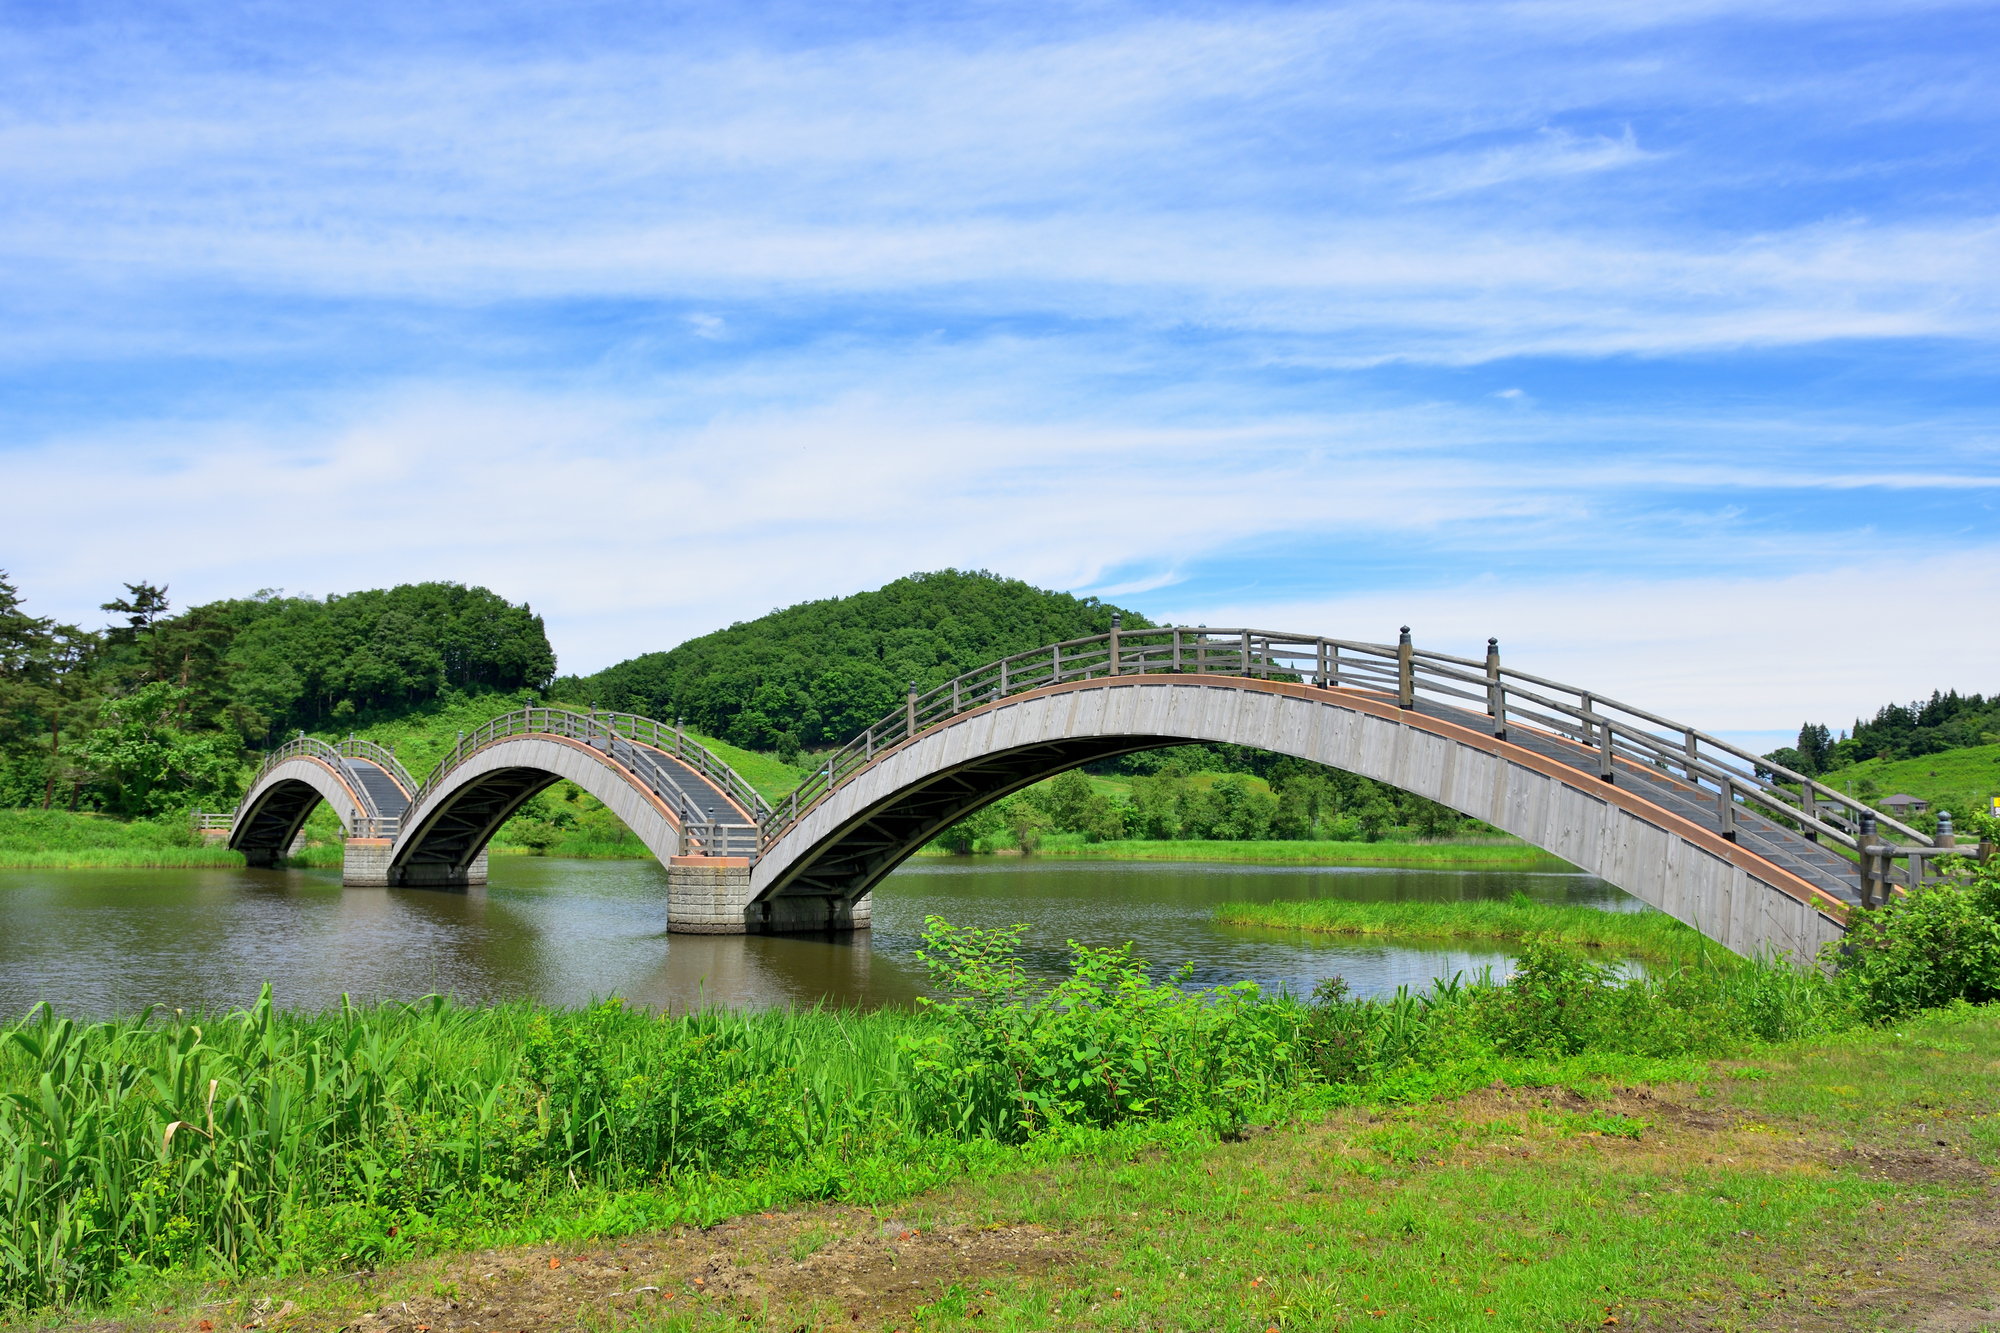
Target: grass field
1972, 773
1835, 1185
59, 839
1650, 935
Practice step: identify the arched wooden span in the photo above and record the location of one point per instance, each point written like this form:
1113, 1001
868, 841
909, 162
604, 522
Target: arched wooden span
1707, 832
1619, 831
362, 782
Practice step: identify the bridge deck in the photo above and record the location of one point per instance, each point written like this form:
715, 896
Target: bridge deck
664, 773
1782, 847
385, 792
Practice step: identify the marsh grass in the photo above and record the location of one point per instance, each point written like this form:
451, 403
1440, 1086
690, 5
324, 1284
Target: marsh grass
75, 840
1653, 936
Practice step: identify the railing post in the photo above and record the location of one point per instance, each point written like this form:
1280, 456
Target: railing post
954, 694
1809, 807
459, 753
1589, 722
1055, 670
1177, 649
1332, 666
1115, 622
868, 751
1003, 679
1496, 693
1246, 652
1606, 754
910, 712
1688, 748
680, 735
1870, 863
1945, 837
1726, 808
1406, 671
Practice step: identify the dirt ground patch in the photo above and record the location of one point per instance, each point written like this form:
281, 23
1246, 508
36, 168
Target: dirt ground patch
812, 1266
1945, 1281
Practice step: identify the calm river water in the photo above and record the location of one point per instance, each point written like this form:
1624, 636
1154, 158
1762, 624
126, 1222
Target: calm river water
112, 942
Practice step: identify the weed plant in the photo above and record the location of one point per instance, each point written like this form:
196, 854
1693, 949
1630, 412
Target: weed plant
63, 838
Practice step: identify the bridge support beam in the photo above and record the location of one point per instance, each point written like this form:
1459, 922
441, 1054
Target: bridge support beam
710, 895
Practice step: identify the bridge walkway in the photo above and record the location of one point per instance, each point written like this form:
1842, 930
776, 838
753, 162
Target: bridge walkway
1783, 847
381, 789
683, 784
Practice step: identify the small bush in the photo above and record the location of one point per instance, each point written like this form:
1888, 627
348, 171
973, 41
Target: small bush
1938, 944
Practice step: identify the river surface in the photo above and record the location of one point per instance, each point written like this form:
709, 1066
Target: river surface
104, 942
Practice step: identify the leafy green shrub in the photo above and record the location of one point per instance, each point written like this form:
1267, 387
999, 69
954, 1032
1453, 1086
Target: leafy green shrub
1938, 944
1104, 1045
1555, 1003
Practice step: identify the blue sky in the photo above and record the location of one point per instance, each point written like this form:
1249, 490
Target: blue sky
1657, 339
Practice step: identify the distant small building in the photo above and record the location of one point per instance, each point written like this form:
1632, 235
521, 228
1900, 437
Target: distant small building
1902, 804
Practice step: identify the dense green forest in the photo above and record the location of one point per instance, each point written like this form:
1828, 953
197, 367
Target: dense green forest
1948, 720
812, 675
161, 710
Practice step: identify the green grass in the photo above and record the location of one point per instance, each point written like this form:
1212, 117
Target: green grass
1649, 935
1835, 1182
58, 839
1724, 1196
1470, 852
1972, 773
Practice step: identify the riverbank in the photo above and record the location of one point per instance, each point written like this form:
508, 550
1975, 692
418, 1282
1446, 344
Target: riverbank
1653, 936
1468, 852
433, 1128
61, 839
1815, 1180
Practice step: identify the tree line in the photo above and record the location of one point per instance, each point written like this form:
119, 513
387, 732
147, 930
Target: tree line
1948, 720
159, 711
1166, 803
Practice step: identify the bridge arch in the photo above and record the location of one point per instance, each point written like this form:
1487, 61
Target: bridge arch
446, 829
361, 781
670, 792
840, 848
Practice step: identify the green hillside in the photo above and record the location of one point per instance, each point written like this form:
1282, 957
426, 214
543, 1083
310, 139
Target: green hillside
1960, 780
813, 675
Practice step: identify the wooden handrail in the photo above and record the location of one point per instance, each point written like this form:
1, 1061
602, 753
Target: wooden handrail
1616, 729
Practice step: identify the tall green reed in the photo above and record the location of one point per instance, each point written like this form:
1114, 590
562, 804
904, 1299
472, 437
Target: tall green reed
265, 1140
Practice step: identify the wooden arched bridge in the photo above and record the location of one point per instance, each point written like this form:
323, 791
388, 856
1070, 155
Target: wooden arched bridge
1749, 854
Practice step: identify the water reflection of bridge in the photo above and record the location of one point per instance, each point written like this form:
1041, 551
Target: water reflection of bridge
1755, 857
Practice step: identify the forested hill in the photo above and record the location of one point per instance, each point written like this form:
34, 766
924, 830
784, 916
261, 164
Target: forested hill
815, 674
1947, 721
163, 709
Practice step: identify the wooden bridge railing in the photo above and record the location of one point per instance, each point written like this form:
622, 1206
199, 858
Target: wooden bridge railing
708, 837
1617, 733
369, 821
